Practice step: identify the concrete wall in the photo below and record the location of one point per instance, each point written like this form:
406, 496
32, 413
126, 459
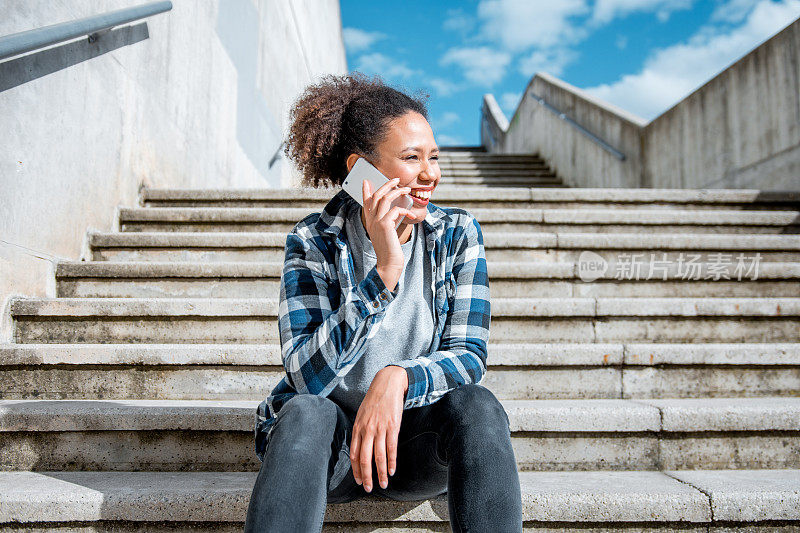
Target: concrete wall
739, 130
578, 161
195, 97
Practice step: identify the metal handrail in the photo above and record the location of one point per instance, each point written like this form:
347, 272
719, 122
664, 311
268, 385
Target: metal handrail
27, 41
604, 145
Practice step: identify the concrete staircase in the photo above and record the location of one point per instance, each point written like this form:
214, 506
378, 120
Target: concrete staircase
473, 166
638, 399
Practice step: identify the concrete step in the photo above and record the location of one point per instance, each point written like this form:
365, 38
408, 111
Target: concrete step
140, 279
448, 166
514, 160
504, 181
449, 173
685, 500
515, 167
464, 148
253, 320
226, 219
491, 158
470, 197
515, 371
616, 248
560, 435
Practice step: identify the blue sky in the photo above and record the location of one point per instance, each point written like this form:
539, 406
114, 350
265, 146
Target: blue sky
641, 55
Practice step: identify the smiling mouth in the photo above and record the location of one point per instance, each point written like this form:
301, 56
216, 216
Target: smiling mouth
424, 195
419, 201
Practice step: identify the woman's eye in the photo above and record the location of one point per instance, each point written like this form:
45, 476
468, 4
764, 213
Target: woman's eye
411, 157
436, 157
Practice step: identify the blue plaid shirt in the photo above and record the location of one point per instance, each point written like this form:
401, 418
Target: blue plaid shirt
324, 316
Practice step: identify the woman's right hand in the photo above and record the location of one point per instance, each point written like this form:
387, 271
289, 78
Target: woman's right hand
381, 221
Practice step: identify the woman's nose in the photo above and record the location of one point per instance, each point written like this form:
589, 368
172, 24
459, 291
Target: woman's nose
427, 171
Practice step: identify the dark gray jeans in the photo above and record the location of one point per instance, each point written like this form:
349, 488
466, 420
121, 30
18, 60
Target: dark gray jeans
460, 444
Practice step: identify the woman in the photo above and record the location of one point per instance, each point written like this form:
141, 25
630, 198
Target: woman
383, 332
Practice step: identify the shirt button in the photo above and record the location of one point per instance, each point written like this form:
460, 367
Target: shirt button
383, 296
374, 304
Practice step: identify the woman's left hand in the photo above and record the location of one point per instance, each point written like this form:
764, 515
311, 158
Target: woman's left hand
377, 426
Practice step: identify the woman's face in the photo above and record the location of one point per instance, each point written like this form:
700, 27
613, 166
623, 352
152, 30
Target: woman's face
409, 152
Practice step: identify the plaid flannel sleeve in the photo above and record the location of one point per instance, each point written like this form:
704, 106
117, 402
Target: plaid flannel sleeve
461, 357
315, 337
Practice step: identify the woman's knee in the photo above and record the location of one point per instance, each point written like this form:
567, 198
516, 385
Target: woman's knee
474, 404
309, 415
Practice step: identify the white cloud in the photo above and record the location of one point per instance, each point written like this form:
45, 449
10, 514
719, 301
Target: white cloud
377, 63
551, 61
732, 10
356, 40
542, 31
621, 42
521, 24
443, 87
481, 65
457, 20
448, 140
607, 10
448, 118
509, 101
672, 73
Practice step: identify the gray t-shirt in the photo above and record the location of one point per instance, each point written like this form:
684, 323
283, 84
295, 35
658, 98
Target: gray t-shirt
406, 331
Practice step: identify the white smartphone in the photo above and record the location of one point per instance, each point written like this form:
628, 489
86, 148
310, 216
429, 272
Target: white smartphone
364, 170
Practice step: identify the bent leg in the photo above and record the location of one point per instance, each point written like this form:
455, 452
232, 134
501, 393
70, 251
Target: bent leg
483, 491
474, 441
461, 445
290, 493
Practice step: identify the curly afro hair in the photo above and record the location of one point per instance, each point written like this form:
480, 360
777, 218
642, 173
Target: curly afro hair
339, 116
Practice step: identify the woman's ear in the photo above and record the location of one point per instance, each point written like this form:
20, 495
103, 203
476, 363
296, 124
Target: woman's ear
351, 160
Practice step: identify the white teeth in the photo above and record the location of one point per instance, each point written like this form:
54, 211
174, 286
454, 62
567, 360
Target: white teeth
421, 194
